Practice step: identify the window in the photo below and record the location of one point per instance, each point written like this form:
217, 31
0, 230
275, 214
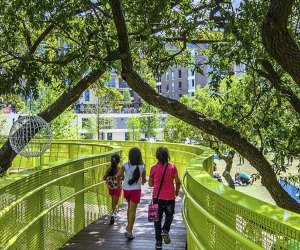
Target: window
180, 95
158, 79
167, 88
191, 83
122, 83
126, 136
87, 95
112, 82
193, 93
173, 87
179, 73
172, 74
85, 123
179, 85
191, 72
109, 136
158, 88
167, 76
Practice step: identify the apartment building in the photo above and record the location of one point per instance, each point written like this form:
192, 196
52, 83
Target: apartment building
179, 81
174, 83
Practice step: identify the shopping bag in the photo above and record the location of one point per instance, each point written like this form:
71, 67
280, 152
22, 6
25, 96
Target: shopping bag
153, 212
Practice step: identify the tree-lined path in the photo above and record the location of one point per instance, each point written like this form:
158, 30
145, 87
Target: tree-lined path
102, 235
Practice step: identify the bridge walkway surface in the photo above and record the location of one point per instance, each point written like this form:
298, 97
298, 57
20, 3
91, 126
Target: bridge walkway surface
101, 235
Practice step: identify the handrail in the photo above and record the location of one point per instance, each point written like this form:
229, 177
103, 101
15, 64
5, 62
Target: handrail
188, 226
218, 223
43, 213
27, 206
226, 211
16, 202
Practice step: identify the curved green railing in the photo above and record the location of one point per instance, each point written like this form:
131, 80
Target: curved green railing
41, 208
228, 219
62, 192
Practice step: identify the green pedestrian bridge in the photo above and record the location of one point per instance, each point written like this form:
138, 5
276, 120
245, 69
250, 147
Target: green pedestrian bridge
57, 195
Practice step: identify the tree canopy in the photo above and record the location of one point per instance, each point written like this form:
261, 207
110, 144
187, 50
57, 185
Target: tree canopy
76, 42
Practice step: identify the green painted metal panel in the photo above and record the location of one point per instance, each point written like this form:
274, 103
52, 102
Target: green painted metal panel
58, 194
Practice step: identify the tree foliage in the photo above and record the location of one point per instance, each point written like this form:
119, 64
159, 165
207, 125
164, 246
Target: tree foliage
134, 126
127, 98
64, 126
78, 43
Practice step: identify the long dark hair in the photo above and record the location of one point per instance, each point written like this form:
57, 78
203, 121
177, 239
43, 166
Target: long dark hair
135, 158
114, 161
162, 155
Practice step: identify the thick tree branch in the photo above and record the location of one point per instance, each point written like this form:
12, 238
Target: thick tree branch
70, 96
53, 111
41, 38
276, 82
197, 119
277, 39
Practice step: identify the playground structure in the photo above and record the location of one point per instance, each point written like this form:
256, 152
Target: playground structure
62, 192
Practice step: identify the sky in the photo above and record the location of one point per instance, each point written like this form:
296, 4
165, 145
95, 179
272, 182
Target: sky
236, 3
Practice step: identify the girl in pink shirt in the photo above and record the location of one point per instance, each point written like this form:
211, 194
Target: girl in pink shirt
167, 194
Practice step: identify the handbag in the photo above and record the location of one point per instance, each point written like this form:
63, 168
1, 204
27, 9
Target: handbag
153, 214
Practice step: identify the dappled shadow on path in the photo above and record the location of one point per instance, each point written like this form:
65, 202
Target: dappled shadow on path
102, 235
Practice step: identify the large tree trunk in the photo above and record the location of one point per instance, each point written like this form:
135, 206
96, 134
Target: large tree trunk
210, 126
62, 103
226, 174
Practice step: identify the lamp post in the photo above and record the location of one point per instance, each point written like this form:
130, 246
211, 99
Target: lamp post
148, 115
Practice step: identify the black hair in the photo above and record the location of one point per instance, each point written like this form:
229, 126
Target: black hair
135, 158
114, 161
162, 155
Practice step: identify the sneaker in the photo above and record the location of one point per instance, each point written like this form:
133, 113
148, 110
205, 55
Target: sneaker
158, 245
165, 236
112, 220
130, 236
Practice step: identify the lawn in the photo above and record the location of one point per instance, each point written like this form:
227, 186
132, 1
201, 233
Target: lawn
256, 190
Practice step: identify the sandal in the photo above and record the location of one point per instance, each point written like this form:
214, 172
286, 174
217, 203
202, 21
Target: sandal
130, 236
112, 220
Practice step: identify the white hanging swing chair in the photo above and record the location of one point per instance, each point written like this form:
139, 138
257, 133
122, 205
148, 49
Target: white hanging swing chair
30, 136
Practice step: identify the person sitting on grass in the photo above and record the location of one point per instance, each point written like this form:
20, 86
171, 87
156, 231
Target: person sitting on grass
243, 178
216, 174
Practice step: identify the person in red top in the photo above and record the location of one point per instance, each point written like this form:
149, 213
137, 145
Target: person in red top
167, 194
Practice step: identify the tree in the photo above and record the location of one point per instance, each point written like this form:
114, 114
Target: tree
213, 127
64, 126
108, 99
3, 131
134, 126
127, 98
79, 43
150, 115
230, 106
